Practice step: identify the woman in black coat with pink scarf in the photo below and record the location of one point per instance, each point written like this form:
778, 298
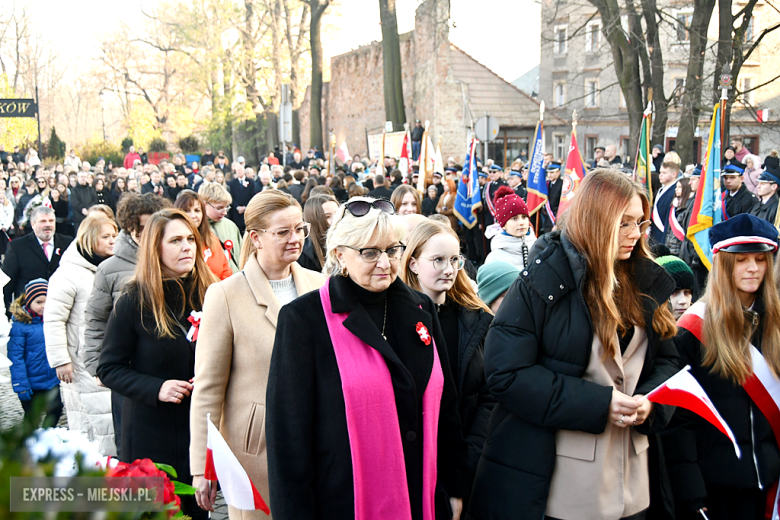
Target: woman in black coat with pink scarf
362, 418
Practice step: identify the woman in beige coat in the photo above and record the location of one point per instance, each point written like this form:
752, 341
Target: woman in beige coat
236, 338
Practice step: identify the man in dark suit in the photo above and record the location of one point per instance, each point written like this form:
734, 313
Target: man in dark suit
35, 255
241, 190
667, 179
554, 192
766, 207
736, 197
380, 188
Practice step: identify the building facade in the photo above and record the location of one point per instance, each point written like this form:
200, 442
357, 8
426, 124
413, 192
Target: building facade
577, 73
442, 84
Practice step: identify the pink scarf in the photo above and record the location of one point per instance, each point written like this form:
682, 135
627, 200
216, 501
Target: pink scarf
378, 469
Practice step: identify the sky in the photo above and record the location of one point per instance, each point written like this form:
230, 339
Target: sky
488, 30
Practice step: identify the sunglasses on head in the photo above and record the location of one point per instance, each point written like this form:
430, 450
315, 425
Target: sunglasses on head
360, 208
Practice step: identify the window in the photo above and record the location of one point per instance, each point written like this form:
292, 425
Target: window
559, 39
592, 36
745, 84
559, 94
591, 142
591, 93
750, 31
559, 147
679, 90
684, 20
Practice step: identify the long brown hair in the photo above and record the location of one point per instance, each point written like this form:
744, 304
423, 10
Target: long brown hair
313, 214
462, 292
399, 193
727, 329
187, 199
591, 224
148, 280
257, 213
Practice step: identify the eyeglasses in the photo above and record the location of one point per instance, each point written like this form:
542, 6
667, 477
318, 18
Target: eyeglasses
283, 235
626, 228
440, 262
360, 208
225, 209
371, 255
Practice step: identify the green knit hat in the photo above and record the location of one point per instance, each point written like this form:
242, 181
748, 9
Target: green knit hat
679, 270
494, 279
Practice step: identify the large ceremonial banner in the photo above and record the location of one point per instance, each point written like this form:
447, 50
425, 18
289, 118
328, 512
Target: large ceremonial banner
575, 172
643, 157
537, 176
468, 200
707, 209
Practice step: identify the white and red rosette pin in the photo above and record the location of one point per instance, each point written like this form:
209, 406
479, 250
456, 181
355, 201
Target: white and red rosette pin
422, 331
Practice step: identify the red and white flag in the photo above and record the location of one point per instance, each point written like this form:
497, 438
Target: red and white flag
222, 465
684, 391
677, 229
343, 152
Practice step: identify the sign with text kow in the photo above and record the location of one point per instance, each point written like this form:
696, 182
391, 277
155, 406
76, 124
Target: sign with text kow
18, 108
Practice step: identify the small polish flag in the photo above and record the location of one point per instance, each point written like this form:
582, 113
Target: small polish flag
762, 116
343, 153
684, 391
222, 465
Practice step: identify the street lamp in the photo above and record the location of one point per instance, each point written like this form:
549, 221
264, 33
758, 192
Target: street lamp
102, 97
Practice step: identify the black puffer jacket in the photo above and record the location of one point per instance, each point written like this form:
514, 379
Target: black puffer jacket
536, 353
701, 457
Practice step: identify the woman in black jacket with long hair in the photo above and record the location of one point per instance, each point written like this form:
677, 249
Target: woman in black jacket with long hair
148, 355
433, 265
581, 336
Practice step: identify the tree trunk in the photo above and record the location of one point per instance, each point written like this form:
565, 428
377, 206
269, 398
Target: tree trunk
661, 102
391, 58
315, 125
691, 97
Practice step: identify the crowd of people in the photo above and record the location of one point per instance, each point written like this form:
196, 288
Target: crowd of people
366, 355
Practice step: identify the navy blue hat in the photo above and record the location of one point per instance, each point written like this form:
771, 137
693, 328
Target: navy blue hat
743, 234
495, 168
451, 169
553, 167
436, 174
483, 175
770, 175
515, 173
696, 171
734, 167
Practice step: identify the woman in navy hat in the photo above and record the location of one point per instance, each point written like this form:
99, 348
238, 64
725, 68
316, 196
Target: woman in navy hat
726, 338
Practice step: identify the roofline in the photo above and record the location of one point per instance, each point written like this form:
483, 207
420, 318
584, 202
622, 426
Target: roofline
508, 83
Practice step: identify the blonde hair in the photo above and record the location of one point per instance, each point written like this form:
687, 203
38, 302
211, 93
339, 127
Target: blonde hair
105, 209
727, 329
213, 192
348, 230
673, 157
592, 225
89, 231
258, 212
462, 291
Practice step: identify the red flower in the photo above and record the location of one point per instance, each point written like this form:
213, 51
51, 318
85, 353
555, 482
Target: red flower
423, 332
146, 468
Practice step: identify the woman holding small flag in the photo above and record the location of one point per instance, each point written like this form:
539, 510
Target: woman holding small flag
148, 351
362, 408
731, 340
579, 339
240, 316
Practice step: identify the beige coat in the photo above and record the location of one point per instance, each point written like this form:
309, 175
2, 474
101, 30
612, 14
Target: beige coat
603, 477
232, 360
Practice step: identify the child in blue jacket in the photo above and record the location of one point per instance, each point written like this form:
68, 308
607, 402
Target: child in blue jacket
32, 377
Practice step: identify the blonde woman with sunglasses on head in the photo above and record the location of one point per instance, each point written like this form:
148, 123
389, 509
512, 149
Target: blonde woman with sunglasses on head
362, 406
